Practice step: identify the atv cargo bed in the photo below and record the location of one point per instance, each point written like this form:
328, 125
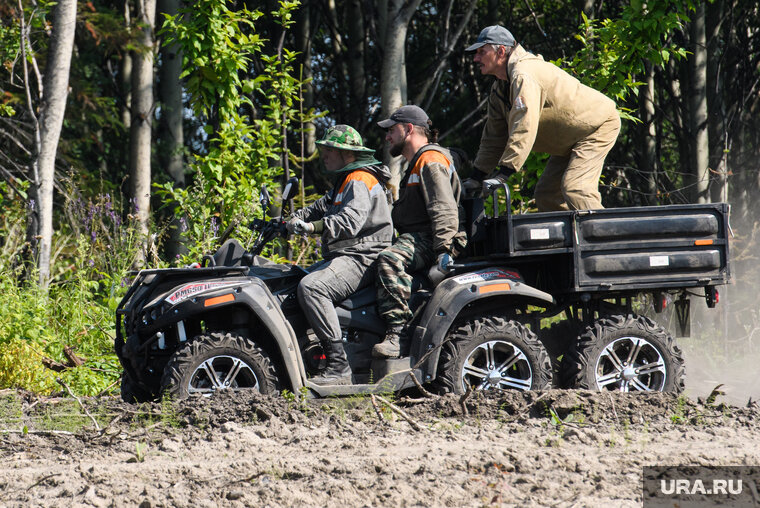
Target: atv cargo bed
674, 246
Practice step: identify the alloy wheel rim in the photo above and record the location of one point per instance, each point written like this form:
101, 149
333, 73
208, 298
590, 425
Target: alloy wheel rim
630, 364
497, 365
222, 372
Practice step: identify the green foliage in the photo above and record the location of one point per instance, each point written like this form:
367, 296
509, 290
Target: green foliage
615, 51
679, 413
92, 256
218, 45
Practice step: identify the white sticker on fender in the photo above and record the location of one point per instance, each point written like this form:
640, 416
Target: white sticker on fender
188, 290
659, 261
539, 234
484, 275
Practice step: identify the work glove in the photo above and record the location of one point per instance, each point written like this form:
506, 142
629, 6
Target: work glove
444, 260
473, 185
299, 227
490, 184
500, 177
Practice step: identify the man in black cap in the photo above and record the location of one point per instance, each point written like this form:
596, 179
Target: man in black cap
536, 106
426, 216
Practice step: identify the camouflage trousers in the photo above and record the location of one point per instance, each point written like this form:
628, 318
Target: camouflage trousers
410, 253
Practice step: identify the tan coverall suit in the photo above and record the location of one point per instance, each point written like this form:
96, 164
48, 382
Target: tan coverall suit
542, 108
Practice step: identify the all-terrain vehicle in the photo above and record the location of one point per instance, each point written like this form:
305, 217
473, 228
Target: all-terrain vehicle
235, 323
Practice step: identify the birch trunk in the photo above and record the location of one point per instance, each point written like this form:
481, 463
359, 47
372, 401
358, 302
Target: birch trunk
55, 92
648, 129
142, 114
393, 80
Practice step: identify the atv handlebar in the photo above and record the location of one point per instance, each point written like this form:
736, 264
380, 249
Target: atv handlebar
268, 230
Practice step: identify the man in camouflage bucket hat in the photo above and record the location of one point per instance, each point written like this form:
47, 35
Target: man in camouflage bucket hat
355, 223
344, 137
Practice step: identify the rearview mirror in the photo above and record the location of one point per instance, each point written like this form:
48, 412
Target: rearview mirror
290, 190
264, 199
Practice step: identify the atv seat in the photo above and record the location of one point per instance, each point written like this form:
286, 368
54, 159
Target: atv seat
231, 253
366, 296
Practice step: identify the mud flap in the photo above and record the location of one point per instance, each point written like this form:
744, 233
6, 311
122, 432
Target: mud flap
683, 314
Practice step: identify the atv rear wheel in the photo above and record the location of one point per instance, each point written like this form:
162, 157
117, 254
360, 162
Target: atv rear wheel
625, 353
215, 362
493, 353
557, 339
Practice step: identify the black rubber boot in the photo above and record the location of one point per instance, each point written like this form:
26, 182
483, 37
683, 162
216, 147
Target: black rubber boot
390, 347
337, 371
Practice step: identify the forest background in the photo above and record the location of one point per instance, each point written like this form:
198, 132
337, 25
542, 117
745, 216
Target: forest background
133, 132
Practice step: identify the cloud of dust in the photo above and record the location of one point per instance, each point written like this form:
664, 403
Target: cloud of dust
724, 347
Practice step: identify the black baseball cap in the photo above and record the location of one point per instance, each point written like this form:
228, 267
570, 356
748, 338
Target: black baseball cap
494, 34
406, 114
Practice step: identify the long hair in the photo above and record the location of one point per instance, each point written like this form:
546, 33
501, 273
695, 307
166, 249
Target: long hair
430, 133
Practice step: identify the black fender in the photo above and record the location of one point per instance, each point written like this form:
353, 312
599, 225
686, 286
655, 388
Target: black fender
255, 296
453, 295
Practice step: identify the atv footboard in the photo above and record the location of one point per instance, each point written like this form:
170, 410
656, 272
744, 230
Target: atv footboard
616, 249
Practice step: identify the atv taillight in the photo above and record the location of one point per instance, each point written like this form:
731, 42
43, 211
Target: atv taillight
712, 297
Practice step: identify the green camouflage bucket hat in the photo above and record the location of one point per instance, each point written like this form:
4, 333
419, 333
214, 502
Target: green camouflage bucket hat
344, 137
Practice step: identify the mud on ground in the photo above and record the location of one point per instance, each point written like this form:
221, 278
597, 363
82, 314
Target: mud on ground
554, 448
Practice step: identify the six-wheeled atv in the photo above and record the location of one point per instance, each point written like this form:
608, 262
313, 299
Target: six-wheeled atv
236, 324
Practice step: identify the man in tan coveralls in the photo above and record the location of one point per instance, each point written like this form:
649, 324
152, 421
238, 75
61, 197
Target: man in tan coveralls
536, 106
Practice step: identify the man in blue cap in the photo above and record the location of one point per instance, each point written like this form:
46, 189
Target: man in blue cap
536, 106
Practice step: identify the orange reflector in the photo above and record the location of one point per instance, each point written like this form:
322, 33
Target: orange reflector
494, 287
229, 297
703, 242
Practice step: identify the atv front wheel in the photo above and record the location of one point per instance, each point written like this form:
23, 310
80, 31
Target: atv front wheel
493, 353
215, 362
625, 353
132, 393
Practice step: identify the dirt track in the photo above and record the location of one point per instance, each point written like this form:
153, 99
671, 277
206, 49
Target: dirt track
256, 451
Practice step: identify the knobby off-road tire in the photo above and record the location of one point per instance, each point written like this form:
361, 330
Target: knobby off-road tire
215, 362
493, 353
132, 393
557, 340
625, 353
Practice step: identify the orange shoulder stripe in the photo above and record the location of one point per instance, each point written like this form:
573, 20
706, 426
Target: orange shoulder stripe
360, 176
429, 157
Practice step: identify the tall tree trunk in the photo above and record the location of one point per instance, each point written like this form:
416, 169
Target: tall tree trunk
303, 31
677, 113
356, 75
142, 114
587, 6
648, 130
338, 56
55, 91
698, 107
172, 133
125, 72
717, 130
393, 79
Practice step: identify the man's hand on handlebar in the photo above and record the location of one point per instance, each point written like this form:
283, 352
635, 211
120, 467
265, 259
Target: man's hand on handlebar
299, 227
